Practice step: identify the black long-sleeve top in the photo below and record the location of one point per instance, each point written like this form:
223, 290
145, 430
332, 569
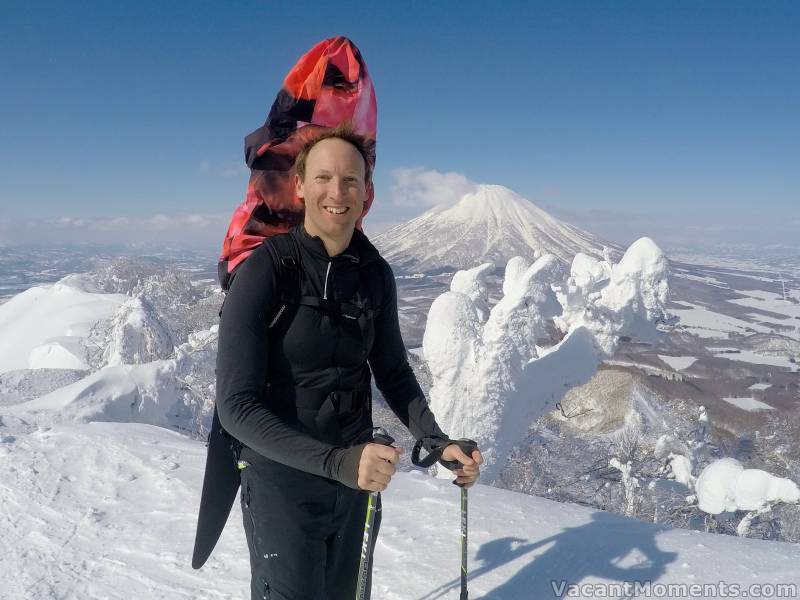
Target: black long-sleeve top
316, 351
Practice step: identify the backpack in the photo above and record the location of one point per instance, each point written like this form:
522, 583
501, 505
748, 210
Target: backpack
328, 86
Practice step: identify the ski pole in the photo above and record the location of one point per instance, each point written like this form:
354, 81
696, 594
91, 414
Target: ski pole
467, 447
380, 437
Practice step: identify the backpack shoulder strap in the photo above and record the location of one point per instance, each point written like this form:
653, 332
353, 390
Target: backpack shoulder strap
286, 258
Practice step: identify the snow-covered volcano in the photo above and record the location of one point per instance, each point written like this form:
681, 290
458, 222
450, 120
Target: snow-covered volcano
490, 224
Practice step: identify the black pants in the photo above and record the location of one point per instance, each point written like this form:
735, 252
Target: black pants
304, 532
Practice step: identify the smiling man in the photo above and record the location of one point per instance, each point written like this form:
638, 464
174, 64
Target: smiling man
309, 318
332, 179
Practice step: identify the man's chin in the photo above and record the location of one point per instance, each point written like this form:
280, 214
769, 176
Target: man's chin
338, 231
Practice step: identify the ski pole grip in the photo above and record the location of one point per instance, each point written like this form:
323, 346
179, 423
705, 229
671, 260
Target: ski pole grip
382, 438
467, 446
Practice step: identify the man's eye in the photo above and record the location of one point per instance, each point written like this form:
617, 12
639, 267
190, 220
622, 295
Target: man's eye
322, 177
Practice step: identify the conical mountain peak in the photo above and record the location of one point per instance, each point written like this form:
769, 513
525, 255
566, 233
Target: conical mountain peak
491, 223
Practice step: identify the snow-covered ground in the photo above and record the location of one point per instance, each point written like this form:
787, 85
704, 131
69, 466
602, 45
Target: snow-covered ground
706, 323
107, 510
763, 325
760, 386
768, 301
758, 359
679, 363
99, 491
747, 403
48, 326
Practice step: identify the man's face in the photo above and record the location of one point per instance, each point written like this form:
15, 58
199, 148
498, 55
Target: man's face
334, 190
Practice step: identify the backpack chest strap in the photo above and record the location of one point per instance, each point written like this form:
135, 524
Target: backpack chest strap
348, 310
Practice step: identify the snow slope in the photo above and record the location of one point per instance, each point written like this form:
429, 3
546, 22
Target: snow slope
107, 510
490, 224
48, 326
138, 393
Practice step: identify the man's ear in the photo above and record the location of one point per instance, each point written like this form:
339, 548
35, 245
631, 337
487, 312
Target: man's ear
370, 191
298, 187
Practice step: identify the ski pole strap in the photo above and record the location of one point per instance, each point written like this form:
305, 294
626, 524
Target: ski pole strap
381, 436
437, 445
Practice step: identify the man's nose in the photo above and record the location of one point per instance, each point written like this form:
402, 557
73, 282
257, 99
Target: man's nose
335, 188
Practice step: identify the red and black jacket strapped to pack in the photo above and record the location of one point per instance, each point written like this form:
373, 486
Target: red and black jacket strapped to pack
329, 85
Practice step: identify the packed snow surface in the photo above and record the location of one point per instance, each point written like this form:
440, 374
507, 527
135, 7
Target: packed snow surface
108, 510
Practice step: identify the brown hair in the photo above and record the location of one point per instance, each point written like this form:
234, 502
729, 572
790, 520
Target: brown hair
345, 132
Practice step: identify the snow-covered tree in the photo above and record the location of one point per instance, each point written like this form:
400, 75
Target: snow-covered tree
494, 376
137, 335
726, 485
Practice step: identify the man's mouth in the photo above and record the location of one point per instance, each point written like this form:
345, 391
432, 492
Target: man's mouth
338, 210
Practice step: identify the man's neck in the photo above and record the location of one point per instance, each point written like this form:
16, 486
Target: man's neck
333, 246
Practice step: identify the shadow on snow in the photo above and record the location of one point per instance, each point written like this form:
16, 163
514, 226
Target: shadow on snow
591, 550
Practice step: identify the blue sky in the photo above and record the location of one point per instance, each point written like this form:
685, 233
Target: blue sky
627, 118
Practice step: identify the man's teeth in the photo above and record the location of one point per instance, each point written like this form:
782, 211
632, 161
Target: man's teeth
337, 211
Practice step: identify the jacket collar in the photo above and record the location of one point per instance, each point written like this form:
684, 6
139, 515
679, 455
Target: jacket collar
360, 249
